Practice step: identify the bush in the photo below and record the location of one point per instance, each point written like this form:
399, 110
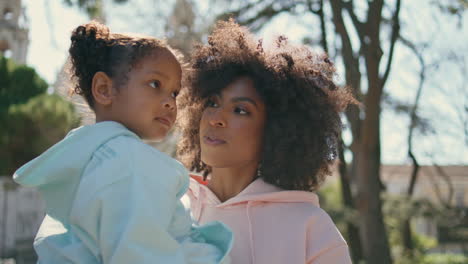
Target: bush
31, 128
30, 120
18, 84
444, 259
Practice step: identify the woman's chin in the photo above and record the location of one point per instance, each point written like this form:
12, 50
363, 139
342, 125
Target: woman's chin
216, 162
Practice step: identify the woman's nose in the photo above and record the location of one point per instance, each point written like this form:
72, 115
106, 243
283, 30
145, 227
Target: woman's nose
216, 119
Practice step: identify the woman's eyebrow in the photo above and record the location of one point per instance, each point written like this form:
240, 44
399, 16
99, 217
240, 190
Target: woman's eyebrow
244, 99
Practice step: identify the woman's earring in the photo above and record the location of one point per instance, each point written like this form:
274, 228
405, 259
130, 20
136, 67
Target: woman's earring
259, 170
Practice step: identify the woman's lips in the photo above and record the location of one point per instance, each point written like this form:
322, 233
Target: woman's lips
211, 140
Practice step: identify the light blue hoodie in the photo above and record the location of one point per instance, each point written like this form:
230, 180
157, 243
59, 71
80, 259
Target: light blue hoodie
113, 199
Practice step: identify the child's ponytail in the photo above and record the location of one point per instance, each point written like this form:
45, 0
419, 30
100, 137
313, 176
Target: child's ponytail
94, 49
88, 53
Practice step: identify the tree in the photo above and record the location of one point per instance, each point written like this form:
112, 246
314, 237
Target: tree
18, 84
363, 42
94, 8
364, 122
428, 66
31, 120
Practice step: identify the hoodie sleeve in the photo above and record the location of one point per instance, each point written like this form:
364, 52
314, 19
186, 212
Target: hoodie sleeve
324, 242
123, 217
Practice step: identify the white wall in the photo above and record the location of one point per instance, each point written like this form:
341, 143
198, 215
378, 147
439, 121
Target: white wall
21, 213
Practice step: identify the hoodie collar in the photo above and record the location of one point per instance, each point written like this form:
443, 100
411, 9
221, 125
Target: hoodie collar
257, 191
57, 171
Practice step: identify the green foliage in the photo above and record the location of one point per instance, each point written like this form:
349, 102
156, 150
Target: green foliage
18, 84
421, 242
444, 259
453, 7
33, 127
4, 75
434, 258
396, 209
30, 120
94, 8
332, 202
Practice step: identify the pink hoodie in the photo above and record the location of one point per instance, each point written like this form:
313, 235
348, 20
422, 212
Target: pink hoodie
271, 225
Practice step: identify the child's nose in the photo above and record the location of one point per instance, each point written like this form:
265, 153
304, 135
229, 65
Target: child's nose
169, 103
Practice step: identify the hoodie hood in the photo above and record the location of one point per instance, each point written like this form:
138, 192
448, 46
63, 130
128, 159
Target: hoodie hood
58, 170
257, 191
249, 214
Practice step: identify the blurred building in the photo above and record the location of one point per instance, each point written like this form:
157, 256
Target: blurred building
14, 31
442, 186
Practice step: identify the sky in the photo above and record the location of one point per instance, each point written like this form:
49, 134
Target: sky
51, 23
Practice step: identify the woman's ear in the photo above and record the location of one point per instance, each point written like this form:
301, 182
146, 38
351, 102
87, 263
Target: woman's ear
102, 89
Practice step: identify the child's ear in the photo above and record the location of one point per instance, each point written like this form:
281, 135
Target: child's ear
102, 88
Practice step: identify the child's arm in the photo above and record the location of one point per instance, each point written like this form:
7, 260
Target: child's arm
122, 217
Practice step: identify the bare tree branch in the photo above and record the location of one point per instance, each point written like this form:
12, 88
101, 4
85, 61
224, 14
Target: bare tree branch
445, 202
447, 179
358, 25
348, 201
393, 39
319, 12
351, 63
262, 16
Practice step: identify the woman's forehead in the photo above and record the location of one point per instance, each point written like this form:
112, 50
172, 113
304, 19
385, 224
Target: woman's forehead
241, 86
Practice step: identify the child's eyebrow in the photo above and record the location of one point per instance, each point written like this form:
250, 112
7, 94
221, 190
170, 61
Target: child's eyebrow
158, 73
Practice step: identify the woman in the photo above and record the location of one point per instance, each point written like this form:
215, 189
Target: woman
262, 127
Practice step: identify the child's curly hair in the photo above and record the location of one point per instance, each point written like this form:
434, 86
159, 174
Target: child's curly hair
94, 48
303, 104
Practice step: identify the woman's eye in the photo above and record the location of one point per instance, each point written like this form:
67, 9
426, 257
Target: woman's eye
155, 84
240, 111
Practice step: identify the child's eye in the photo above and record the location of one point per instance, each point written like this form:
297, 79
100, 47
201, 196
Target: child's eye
175, 94
155, 84
211, 103
240, 111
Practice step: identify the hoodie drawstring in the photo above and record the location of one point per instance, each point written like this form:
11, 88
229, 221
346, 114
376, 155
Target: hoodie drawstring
252, 251
199, 206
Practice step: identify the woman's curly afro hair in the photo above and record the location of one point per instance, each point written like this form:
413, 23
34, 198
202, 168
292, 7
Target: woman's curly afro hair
303, 104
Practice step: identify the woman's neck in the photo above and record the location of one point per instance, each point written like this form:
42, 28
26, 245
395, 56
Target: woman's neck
226, 183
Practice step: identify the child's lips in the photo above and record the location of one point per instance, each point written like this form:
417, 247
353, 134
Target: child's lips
164, 121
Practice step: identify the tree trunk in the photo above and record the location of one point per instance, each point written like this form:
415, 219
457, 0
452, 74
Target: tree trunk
406, 226
372, 228
369, 204
354, 241
366, 133
406, 232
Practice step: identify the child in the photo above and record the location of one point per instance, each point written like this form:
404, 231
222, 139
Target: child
110, 197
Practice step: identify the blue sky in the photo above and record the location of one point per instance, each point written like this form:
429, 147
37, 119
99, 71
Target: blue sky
444, 94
